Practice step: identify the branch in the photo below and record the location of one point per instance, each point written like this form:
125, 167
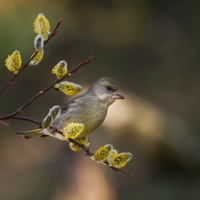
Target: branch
55, 31
82, 64
18, 117
85, 149
11, 81
30, 101
89, 153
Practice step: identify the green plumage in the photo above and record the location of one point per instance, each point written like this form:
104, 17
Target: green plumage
90, 108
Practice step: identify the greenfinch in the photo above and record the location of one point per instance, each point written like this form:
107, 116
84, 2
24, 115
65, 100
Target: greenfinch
89, 108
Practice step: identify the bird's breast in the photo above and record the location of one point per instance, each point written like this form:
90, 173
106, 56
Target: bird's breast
93, 118
91, 114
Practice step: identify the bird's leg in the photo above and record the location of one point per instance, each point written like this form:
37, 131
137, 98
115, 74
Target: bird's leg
54, 130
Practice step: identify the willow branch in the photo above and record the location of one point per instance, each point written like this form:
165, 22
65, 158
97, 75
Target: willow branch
89, 153
37, 95
28, 119
85, 149
11, 81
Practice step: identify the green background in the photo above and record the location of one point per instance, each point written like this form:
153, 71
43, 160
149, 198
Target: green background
152, 49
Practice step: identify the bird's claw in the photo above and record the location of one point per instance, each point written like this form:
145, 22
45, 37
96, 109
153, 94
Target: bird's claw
54, 130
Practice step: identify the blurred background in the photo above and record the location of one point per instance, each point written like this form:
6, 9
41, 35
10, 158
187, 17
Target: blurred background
152, 49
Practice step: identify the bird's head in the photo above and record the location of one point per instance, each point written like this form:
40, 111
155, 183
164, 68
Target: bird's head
107, 90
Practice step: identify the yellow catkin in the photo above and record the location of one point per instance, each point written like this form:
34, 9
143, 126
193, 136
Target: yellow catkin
119, 160
102, 153
60, 69
14, 62
68, 88
73, 130
41, 26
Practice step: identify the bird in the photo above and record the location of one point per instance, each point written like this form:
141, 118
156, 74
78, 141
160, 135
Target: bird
89, 108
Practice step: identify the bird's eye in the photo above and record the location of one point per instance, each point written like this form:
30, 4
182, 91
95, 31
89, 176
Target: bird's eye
109, 88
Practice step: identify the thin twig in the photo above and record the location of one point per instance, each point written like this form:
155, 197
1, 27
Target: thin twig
85, 149
19, 110
11, 81
30, 101
82, 64
28, 119
55, 31
122, 171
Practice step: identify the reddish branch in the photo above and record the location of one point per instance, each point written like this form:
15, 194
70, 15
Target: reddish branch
89, 153
14, 114
30, 101
27, 119
11, 81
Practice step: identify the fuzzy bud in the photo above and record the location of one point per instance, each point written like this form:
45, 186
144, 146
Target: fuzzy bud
38, 57
41, 26
68, 88
14, 62
118, 160
102, 153
38, 42
60, 69
73, 130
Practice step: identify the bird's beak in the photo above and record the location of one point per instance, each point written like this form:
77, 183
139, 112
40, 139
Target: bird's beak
118, 95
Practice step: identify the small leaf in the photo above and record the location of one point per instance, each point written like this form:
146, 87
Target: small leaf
73, 130
14, 62
68, 88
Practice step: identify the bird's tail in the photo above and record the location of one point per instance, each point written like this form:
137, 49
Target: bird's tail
30, 133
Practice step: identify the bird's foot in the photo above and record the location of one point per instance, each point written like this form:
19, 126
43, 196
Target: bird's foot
54, 130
